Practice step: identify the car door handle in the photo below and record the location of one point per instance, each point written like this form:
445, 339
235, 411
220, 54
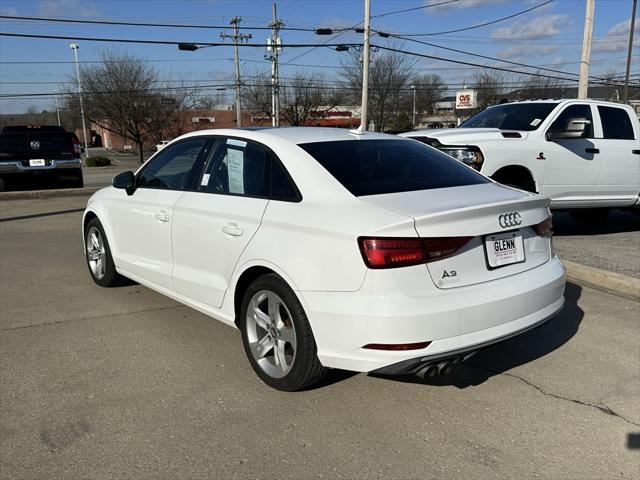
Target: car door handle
592, 150
232, 229
162, 217
636, 152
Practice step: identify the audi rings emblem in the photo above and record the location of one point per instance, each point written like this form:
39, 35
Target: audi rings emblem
507, 220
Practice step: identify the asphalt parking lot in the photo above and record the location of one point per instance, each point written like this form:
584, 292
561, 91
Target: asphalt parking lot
125, 383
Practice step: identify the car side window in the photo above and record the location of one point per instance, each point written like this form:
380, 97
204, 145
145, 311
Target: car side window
174, 168
574, 111
615, 123
237, 167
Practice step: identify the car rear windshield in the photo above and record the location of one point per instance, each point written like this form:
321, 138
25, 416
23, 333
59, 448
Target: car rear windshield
375, 167
515, 116
46, 142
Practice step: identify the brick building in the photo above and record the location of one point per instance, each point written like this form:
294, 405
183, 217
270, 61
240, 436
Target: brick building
224, 117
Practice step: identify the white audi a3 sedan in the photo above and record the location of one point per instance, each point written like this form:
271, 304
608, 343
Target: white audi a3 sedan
330, 249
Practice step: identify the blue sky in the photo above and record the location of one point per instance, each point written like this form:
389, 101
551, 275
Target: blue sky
550, 36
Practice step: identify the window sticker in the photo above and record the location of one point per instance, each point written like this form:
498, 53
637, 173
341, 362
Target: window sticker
535, 122
236, 143
205, 179
235, 169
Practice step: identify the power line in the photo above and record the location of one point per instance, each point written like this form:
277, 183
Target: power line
338, 86
166, 42
144, 24
552, 70
479, 25
380, 15
471, 64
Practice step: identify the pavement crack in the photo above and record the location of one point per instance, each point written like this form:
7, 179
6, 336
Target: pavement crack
58, 322
602, 407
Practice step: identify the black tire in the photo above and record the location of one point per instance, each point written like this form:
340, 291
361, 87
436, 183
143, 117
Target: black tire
110, 277
305, 369
78, 181
591, 215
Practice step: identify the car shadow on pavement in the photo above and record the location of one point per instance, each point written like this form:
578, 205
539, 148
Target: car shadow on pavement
619, 221
517, 351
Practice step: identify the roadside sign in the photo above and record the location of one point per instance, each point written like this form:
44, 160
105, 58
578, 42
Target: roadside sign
465, 99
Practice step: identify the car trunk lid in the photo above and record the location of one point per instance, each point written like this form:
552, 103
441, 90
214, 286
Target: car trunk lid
488, 213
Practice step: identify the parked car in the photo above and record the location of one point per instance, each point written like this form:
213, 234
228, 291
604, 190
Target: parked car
582, 154
39, 156
330, 249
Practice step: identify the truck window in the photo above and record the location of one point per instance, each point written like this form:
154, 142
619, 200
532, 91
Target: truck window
574, 111
616, 123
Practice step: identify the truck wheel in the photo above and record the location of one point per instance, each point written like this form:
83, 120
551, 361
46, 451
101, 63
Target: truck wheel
516, 178
591, 215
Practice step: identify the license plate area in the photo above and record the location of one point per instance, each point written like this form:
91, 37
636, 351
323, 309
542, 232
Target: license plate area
37, 162
504, 249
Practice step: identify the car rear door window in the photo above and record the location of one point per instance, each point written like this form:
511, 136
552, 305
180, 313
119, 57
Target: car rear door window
574, 111
282, 187
374, 167
237, 167
616, 123
175, 167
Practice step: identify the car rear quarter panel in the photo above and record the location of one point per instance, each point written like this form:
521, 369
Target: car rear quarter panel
316, 243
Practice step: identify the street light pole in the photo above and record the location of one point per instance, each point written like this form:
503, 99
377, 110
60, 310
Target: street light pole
365, 66
625, 96
75, 47
413, 118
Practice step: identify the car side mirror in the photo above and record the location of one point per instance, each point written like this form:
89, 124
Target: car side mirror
125, 181
576, 128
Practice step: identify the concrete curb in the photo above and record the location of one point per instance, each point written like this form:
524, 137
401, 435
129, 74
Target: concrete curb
63, 192
610, 282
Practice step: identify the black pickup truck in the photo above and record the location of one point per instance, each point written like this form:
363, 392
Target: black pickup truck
39, 156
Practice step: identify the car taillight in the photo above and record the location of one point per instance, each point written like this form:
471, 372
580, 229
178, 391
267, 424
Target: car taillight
387, 252
545, 228
77, 148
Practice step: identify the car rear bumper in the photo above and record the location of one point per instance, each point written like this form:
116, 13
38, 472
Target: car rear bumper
13, 167
455, 321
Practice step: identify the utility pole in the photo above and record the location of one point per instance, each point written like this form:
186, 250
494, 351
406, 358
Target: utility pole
273, 49
237, 37
58, 106
586, 49
75, 47
365, 66
413, 118
625, 95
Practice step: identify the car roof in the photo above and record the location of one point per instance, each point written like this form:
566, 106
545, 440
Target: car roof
297, 135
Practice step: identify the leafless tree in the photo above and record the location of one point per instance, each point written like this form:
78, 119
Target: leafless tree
491, 86
123, 94
389, 75
256, 93
540, 87
303, 97
429, 90
209, 102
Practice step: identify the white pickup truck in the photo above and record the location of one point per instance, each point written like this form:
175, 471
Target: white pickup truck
582, 154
